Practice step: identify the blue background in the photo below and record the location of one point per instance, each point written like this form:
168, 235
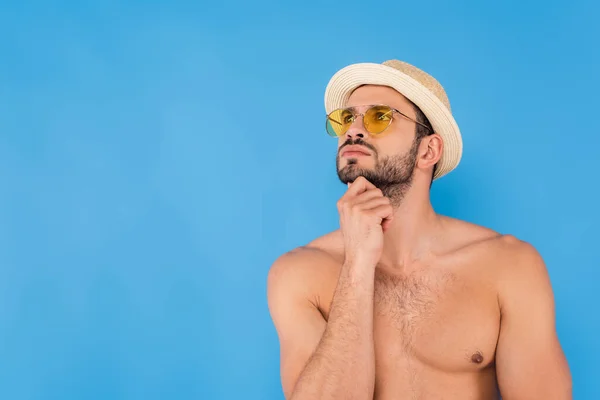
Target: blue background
156, 157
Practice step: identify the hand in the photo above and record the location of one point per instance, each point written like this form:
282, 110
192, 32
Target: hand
365, 214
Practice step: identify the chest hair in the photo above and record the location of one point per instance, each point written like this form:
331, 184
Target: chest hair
407, 301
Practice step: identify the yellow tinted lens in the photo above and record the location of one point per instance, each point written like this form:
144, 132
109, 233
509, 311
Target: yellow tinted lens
378, 118
339, 121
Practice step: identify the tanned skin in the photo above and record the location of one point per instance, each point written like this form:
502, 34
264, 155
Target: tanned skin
404, 303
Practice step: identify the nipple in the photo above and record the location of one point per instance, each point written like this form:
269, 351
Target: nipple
477, 358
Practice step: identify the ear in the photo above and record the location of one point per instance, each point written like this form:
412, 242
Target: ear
430, 151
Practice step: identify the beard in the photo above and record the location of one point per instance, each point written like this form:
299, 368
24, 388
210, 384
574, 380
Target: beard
393, 175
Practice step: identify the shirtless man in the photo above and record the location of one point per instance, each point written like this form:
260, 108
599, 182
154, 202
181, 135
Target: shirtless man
400, 302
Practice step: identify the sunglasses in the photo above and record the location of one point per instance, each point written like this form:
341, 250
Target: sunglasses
376, 119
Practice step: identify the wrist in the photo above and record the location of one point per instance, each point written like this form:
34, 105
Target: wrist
359, 274
360, 263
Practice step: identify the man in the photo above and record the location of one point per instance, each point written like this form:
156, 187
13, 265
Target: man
400, 302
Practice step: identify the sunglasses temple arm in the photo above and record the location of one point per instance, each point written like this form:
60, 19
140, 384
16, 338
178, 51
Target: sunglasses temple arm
415, 121
423, 125
337, 122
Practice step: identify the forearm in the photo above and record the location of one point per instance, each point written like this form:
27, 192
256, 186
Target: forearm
343, 365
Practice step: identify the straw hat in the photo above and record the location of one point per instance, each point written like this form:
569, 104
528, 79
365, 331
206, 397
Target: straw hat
417, 86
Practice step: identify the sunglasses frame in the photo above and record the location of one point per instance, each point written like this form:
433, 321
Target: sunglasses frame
355, 115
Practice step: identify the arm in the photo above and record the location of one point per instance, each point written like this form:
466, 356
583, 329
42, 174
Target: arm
323, 360
530, 363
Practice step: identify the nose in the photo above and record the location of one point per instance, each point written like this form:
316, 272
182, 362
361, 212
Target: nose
356, 130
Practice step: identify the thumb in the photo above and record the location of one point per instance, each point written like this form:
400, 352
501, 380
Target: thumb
385, 224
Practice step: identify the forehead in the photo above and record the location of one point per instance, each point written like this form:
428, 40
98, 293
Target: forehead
372, 94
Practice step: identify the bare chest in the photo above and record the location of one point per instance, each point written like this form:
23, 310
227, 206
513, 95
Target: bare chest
436, 320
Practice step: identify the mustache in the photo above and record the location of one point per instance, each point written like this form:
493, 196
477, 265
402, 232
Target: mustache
358, 142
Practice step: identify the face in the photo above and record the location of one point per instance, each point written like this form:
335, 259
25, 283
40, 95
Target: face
387, 160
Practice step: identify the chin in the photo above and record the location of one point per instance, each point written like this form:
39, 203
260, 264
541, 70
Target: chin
349, 173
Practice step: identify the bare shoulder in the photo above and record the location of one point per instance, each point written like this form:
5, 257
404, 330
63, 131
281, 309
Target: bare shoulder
521, 269
510, 261
516, 251
326, 249
503, 257
486, 242
508, 253
306, 268
465, 238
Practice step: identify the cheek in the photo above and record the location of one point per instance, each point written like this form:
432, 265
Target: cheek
395, 144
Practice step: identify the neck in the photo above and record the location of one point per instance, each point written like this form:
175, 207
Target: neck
411, 233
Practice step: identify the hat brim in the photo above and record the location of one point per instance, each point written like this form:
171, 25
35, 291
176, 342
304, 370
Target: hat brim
346, 80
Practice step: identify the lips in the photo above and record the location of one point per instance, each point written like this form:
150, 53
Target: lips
354, 151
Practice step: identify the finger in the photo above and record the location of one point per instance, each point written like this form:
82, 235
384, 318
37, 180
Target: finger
360, 184
366, 196
385, 224
371, 203
385, 212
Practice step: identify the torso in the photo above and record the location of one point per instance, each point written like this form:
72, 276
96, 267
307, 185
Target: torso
436, 324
